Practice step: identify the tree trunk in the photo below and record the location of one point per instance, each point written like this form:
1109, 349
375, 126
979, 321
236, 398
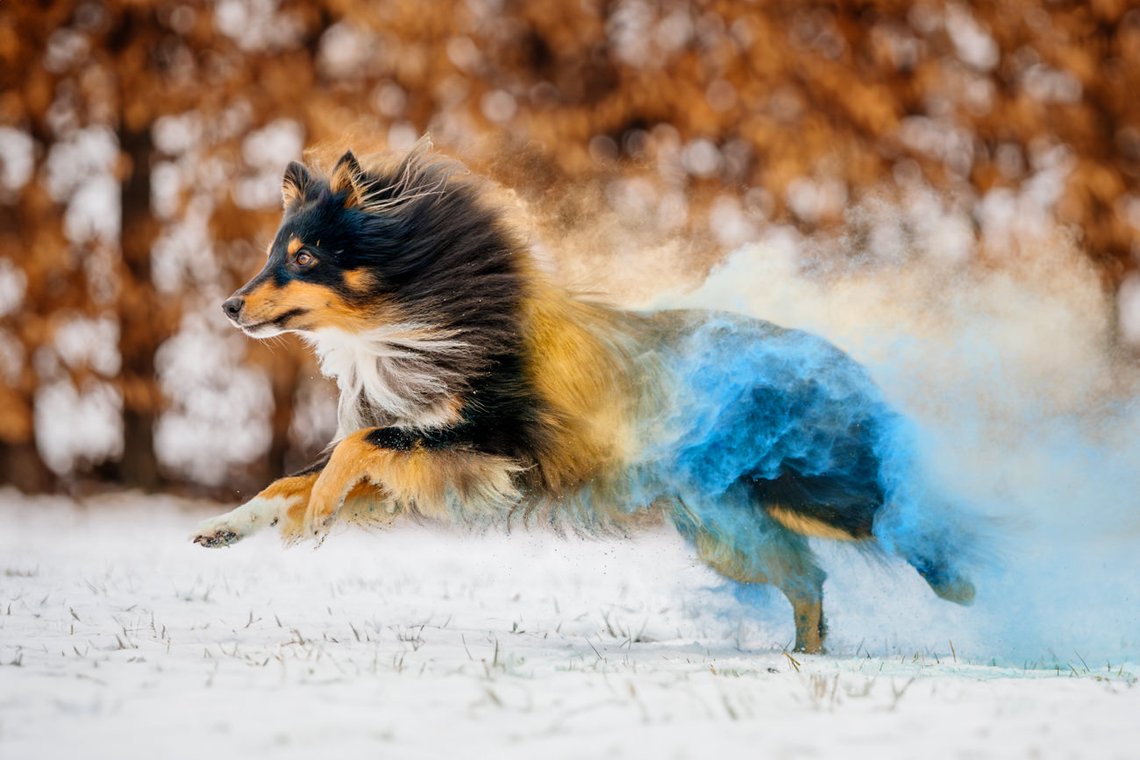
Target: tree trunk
22, 467
141, 322
283, 369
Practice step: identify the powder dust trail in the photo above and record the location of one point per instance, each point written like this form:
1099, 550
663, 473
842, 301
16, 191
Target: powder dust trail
1024, 413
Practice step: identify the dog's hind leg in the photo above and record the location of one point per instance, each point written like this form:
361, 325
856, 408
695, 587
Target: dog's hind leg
739, 540
793, 572
942, 578
937, 550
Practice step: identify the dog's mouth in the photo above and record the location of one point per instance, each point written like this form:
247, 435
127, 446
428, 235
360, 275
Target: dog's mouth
260, 330
269, 327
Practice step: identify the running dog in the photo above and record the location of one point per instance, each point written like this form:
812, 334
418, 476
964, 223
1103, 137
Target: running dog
475, 391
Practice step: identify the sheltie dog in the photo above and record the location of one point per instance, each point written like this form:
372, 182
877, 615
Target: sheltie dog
474, 391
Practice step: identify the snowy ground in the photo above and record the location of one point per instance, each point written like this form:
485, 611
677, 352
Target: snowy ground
118, 638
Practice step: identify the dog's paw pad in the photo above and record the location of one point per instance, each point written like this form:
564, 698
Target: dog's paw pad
215, 536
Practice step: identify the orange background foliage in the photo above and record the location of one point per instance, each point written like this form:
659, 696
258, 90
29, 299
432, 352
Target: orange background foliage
709, 99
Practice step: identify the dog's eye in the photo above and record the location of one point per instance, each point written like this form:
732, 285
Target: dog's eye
304, 259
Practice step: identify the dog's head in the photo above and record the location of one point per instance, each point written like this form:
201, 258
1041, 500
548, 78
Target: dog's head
358, 249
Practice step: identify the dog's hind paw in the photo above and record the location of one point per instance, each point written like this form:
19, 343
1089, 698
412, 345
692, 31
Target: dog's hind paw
319, 531
957, 590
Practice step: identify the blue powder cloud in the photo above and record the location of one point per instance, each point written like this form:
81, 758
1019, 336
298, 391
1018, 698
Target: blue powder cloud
1015, 450
762, 415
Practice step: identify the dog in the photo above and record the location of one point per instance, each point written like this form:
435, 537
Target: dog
475, 391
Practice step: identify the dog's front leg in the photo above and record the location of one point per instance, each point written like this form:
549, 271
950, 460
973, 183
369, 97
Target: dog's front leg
282, 503
429, 474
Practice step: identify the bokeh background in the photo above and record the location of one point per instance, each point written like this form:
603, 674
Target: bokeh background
142, 144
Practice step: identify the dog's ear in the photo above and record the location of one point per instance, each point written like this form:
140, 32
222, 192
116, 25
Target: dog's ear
296, 183
348, 178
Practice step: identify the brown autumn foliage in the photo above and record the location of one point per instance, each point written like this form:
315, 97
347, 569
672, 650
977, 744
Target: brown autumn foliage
708, 99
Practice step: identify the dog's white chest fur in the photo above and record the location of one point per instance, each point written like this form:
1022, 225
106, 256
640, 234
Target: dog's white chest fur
387, 376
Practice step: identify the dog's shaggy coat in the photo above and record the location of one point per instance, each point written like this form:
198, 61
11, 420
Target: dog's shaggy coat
472, 391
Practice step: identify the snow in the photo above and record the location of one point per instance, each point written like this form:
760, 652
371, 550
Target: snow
1128, 300
81, 172
973, 44
17, 159
266, 151
258, 24
346, 51
218, 415
118, 638
13, 284
498, 106
701, 158
77, 424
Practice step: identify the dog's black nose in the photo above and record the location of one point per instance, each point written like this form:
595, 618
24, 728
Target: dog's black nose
232, 307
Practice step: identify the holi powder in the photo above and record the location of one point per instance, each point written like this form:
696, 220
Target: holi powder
1014, 458
760, 415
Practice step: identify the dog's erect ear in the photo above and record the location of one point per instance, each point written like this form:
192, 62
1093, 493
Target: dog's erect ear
348, 178
296, 183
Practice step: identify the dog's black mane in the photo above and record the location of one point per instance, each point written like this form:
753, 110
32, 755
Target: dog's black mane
444, 259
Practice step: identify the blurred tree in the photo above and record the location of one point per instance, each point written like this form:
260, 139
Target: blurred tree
122, 66
708, 119
31, 238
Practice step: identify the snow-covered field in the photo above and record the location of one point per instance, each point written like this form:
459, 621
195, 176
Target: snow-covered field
118, 638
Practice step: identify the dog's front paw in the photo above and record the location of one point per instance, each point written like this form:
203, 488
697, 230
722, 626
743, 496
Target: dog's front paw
216, 532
